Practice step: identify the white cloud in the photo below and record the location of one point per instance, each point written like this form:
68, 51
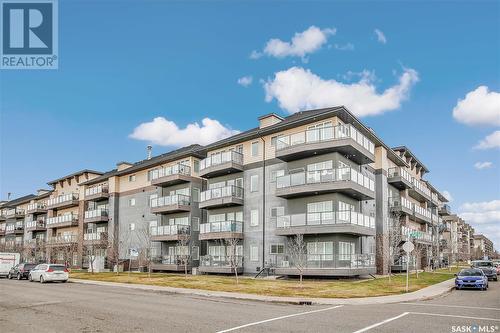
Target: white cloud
380, 36
484, 217
298, 89
245, 81
447, 195
479, 107
302, 43
489, 142
345, 47
164, 132
483, 165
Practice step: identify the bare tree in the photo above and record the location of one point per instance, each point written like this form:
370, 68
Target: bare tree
232, 255
391, 240
184, 256
94, 248
297, 250
145, 254
420, 250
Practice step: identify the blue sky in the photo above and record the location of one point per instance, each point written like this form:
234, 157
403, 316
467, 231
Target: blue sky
123, 63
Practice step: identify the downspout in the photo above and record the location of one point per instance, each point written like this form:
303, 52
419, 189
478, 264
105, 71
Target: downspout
263, 201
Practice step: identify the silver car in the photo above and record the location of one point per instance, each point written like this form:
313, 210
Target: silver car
49, 272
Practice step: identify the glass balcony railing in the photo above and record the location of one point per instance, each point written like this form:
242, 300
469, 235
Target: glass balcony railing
222, 192
90, 214
324, 176
323, 134
63, 239
96, 190
325, 218
416, 234
170, 259
95, 236
176, 199
221, 261
177, 169
420, 186
14, 212
221, 158
38, 223
401, 202
315, 261
169, 230
36, 205
399, 172
221, 226
62, 199
62, 219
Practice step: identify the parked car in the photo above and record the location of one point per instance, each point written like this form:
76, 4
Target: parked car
487, 267
471, 278
21, 271
49, 272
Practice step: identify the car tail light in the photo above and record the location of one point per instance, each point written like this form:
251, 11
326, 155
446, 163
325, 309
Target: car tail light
50, 270
66, 270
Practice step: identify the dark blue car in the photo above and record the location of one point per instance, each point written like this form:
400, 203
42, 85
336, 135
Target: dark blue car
471, 278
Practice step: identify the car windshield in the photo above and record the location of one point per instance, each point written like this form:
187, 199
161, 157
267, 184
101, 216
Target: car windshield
29, 266
58, 267
482, 263
470, 272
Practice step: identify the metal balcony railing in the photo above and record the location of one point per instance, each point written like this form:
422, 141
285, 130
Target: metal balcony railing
168, 230
221, 158
221, 261
177, 169
176, 199
90, 214
222, 192
325, 218
328, 133
62, 199
221, 226
326, 261
36, 205
62, 219
324, 176
399, 172
96, 190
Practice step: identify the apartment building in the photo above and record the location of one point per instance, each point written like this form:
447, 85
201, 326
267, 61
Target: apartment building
317, 180
12, 223
483, 247
151, 205
35, 231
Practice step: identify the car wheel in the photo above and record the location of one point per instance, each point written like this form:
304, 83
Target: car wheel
30, 278
9, 277
19, 277
64, 281
42, 280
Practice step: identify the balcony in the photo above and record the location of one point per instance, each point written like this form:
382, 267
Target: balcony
172, 175
2, 215
405, 206
96, 215
35, 242
63, 201
444, 210
96, 193
343, 222
222, 197
36, 208
173, 232
2, 229
342, 180
221, 230
434, 198
221, 264
399, 178
68, 220
15, 228
36, 225
95, 238
416, 235
171, 204
62, 240
329, 265
14, 213
419, 191
173, 263
221, 164
344, 139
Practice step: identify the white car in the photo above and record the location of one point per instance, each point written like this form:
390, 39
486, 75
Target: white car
49, 272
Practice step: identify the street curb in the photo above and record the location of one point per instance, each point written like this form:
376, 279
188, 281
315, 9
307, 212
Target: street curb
427, 293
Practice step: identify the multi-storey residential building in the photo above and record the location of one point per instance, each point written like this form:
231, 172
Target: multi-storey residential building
12, 224
35, 228
319, 178
483, 247
65, 210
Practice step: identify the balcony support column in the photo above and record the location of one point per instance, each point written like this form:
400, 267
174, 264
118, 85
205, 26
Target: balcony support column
381, 222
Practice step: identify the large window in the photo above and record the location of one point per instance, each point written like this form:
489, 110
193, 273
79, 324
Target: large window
254, 253
277, 211
320, 172
320, 212
320, 251
277, 249
255, 148
346, 250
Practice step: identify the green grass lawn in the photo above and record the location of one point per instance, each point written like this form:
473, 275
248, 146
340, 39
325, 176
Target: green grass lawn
348, 288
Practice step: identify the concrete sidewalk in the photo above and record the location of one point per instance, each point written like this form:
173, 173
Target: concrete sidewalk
419, 295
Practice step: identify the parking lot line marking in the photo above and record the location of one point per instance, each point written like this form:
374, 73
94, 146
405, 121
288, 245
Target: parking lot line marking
279, 318
454, 316
453, 306
381, 323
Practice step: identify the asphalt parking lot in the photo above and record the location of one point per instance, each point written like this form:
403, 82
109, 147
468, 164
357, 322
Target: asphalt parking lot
73, 307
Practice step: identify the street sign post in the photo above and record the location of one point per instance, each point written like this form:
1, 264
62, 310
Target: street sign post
408, 247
